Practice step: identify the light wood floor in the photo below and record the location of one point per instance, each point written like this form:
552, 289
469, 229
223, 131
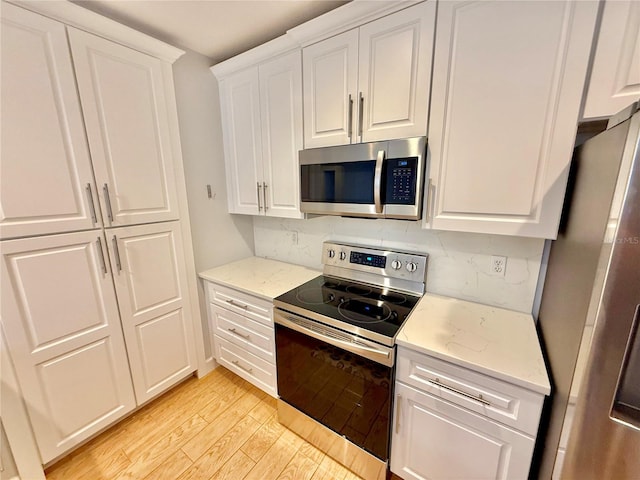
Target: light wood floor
218, 427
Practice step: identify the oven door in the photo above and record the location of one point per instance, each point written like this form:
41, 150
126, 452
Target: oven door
332, 377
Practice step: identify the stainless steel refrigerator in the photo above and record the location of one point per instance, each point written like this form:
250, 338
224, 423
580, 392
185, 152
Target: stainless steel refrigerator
589, 312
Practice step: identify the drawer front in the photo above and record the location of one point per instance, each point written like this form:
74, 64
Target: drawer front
255, 337
509, 404
246, 365
240, 302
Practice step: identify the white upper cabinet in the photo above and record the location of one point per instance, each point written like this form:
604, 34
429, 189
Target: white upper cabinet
262, 130
151, 283
615, 74
122, 94
46, 182
60, 317
507, 86
281, 124
395, 74
370, 83
240, 104
330, 72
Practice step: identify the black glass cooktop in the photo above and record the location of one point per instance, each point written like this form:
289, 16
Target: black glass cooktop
357, 306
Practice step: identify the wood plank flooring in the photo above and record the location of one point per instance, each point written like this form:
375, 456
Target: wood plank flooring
218, 427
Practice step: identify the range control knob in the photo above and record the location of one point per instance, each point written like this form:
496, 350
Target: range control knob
412, 266
343, 255
396, 264
331, 252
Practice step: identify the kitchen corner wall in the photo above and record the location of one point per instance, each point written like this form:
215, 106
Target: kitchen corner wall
458, 262
218, 237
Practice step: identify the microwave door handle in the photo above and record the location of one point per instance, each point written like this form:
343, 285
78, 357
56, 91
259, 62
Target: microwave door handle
377, 182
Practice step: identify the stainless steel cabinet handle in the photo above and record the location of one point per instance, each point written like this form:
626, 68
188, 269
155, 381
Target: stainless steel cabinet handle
236, 304
377, 182
237, 364
360, 116
103, 264
92, 207
116, 252
264, 193
398, 413
477, 398
107, 201
235, 332
350, 119
429, 202
259, 204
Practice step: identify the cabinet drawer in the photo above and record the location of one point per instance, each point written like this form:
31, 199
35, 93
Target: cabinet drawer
248, 334
253, 369
501, 401
239, 302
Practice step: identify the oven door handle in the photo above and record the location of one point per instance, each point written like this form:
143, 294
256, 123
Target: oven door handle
336, 338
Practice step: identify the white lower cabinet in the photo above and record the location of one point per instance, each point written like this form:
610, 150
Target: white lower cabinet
434, 439
243, 336
445, 429
64, 324
60, 317
151, 283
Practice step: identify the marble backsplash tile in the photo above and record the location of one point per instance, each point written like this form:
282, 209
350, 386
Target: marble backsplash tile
458, 262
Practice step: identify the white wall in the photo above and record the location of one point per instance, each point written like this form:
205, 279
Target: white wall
218, 237
458, 262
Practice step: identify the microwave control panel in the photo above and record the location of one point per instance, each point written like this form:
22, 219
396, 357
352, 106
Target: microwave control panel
402, 174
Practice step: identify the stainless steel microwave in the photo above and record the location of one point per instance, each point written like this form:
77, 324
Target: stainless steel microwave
374, 180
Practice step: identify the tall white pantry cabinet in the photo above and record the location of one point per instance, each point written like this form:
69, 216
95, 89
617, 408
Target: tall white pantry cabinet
98, 282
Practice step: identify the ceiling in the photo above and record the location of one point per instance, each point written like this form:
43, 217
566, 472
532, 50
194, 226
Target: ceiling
218, 29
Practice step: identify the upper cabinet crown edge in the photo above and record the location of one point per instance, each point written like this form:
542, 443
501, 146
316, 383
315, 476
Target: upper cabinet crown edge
91, 22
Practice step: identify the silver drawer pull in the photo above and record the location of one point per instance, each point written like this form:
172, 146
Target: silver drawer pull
236, 304
237, 364
478, 398
235, 332
398, 413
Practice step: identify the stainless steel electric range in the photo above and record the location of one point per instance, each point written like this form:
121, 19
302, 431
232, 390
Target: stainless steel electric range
335, 351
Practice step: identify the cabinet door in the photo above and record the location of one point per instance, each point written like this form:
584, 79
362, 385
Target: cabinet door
46, 182
151, 283
330, 77
240, 104
281, 122
435, 440
615, 74
507, 87
395, 73
124, 106
60, 316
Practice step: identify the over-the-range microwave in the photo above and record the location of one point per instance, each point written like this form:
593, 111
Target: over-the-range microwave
373, 180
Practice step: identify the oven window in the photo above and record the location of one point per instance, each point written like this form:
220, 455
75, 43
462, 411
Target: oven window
348, 182
347, 393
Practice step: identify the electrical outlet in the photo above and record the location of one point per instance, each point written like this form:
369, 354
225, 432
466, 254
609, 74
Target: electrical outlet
498, 265
294, 237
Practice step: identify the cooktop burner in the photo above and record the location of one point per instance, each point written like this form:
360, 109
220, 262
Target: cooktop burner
356, 306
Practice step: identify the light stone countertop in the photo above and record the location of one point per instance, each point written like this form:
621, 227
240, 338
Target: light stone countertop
497, 342
261, 277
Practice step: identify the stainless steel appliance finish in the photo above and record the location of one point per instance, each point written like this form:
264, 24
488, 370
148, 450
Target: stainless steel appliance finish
373, 180
593, 285
335, 362
351, 343
390, 271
